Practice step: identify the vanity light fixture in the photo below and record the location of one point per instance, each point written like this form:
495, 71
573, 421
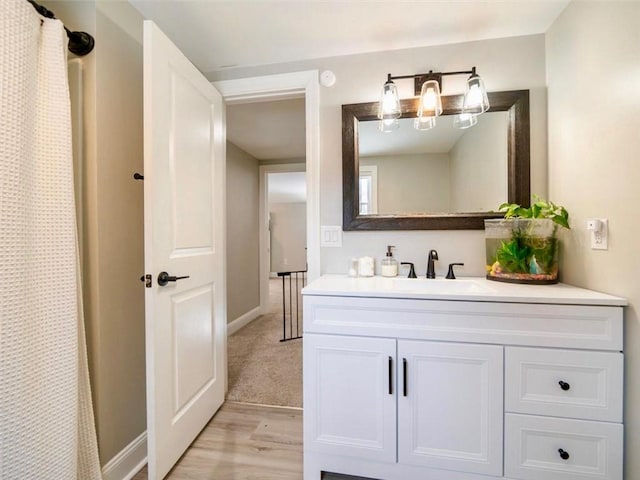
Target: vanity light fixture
428, 86
475, 98
389, 102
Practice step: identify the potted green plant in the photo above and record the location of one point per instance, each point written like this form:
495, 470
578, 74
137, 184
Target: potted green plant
523, 246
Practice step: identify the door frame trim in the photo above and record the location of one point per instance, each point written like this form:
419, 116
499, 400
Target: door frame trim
281, 87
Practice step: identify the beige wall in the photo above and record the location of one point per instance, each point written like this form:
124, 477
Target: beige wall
243, 254
479, 165
113, 218
505, 64
593, 71
412, 183
288, 236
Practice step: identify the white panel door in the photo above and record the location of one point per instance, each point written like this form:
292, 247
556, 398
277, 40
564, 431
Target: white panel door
349, 400
184, 225
450, 406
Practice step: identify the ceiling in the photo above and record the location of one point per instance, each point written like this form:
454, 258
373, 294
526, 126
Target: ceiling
218, 35
407, 140
268, 130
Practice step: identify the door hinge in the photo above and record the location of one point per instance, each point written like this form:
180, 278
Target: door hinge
147, 279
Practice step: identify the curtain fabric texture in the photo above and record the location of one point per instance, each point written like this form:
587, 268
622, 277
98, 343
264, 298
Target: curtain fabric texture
47, 429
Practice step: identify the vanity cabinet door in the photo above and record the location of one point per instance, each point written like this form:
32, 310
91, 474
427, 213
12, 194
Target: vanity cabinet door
450, 407
349, 396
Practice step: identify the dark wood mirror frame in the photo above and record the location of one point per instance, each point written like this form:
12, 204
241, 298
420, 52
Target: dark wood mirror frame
515, 102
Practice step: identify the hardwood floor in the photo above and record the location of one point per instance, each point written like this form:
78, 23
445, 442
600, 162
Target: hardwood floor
244, 442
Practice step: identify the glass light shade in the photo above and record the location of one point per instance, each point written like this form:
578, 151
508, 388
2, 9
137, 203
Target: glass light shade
430, 99
475, 98
388, 125
389, 107
465, 120
424, 123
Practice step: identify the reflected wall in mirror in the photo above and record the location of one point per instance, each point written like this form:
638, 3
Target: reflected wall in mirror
444, 178
442, 170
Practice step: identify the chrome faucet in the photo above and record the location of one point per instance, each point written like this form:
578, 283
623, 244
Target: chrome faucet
433, 255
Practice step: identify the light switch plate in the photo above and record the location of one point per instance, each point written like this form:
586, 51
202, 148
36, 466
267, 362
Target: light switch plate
330, 236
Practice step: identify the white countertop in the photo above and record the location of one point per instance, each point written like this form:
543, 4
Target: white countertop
477, 289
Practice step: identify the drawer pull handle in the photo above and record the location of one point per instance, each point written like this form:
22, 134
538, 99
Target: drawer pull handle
563, 455
564, 385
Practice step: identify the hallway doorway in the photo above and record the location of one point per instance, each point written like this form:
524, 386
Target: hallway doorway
267, 141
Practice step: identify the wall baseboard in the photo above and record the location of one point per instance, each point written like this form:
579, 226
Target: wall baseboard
243, 320
127, 462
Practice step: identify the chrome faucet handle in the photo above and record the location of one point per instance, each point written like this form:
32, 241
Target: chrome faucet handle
450, 274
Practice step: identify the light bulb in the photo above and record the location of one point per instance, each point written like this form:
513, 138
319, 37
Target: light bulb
388, 102
389, 107
475, 99
474, 96
430, 99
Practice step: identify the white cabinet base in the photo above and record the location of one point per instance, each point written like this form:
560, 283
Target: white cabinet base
316, 463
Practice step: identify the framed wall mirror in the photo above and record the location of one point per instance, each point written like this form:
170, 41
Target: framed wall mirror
439, 179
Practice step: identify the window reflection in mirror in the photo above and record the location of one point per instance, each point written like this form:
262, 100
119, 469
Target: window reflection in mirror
368, 190
442, 170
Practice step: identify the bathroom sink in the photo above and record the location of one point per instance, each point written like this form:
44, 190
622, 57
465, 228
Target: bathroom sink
442, 286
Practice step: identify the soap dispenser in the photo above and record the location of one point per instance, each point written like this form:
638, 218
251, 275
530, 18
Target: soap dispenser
389, 265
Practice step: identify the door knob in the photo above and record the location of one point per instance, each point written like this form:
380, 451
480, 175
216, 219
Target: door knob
164, 278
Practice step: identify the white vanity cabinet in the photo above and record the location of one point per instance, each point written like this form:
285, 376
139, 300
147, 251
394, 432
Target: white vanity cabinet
430, 404
490, 381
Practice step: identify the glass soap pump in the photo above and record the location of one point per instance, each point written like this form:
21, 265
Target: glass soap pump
389, 265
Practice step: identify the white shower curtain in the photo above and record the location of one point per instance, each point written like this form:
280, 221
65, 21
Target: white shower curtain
46, 420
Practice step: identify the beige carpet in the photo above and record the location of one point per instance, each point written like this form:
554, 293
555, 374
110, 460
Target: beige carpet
262, 369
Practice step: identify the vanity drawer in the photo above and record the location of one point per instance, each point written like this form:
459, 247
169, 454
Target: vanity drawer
564, 383
535, 447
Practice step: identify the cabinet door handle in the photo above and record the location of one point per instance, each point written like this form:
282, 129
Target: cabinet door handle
404, 377
564, 385
390, 376
563, 455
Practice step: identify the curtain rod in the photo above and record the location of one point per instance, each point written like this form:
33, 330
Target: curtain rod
80, 43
